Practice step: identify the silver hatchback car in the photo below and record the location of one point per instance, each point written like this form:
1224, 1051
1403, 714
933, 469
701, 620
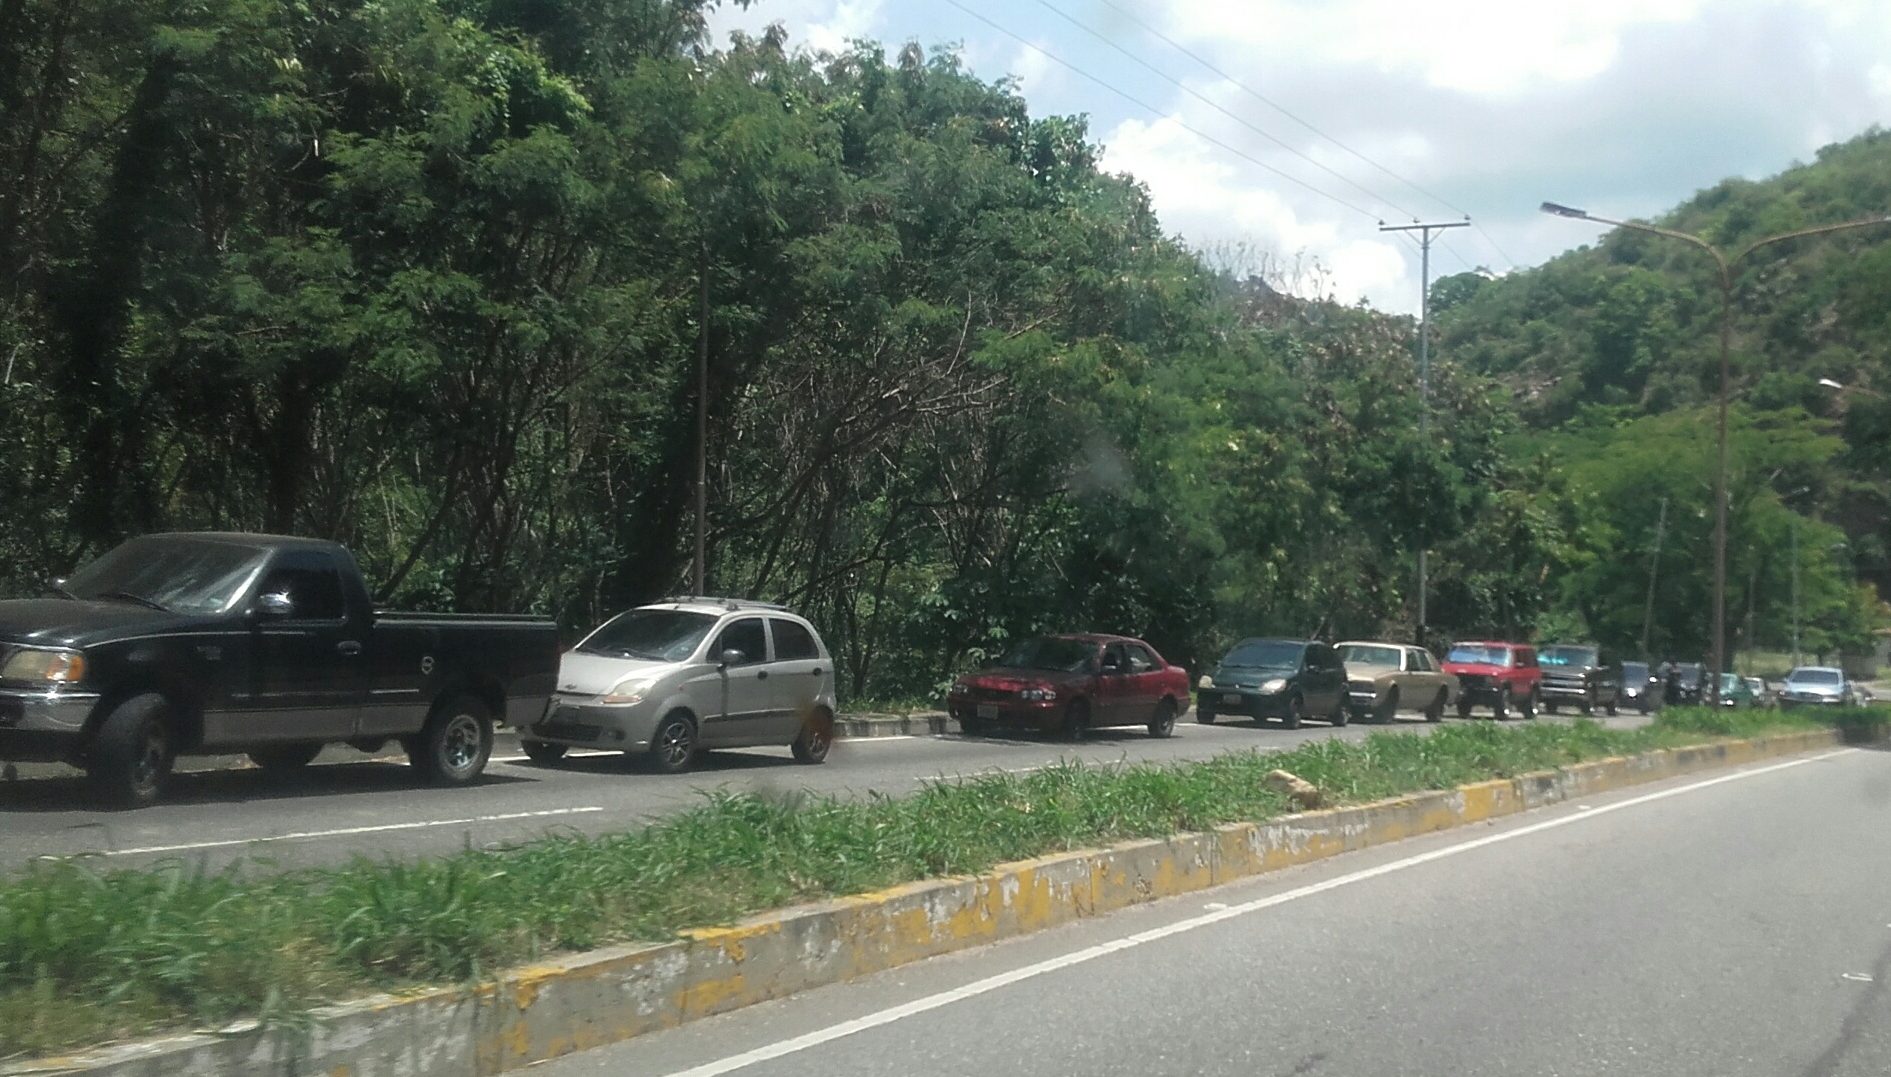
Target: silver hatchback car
671, 678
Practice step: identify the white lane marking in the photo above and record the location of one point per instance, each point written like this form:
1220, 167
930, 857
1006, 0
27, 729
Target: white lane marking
1077, 957
343, 832
587, 754
1856, 977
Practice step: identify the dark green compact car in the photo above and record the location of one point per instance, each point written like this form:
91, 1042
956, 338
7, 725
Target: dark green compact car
1287, 679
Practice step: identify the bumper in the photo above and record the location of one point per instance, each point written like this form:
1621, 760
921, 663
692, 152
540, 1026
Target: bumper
1486, 692
1249, 701
1573, 692
1811, 701
578, 725
42, 726
1044, 715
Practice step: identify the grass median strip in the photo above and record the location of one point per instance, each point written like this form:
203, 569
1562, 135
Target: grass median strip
89, 955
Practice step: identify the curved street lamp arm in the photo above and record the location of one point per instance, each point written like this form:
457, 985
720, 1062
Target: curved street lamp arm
1803, 232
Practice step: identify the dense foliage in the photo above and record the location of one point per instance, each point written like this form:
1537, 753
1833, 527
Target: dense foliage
1611, 354
429, 277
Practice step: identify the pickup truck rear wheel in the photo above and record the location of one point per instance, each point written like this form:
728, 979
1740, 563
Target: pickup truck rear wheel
285, 756
131, 756
453, 747
539, 751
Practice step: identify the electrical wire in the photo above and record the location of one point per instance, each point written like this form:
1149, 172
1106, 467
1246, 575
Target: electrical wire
1160, 114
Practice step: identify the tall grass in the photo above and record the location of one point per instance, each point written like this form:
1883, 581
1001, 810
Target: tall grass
88, 954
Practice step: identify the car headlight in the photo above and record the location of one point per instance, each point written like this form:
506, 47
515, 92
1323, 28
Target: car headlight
627, 693
1278, 684
1038, 695
1207, 681
44, 667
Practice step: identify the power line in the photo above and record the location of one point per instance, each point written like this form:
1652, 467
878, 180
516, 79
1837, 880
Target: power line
1211, 103
1284, 111
1160, 114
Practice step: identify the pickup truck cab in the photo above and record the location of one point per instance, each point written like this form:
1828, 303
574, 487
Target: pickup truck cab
213, 643
1581, 675
1497, 675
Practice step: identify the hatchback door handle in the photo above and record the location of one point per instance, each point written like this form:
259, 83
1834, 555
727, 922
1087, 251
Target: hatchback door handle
817, 671
349, 647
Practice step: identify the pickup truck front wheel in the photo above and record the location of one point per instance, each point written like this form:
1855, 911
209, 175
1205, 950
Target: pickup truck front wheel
131, 756
457, 741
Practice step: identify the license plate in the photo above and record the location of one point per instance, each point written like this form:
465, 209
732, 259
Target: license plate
988, 710
1231, 698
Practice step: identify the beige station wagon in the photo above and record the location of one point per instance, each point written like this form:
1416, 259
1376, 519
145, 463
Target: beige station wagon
1383, 677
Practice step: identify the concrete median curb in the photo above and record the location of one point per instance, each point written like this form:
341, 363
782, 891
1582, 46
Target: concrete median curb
919, 724
592, 999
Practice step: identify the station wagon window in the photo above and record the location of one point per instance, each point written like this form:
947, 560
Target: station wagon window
793, 642
311, 581
745, 635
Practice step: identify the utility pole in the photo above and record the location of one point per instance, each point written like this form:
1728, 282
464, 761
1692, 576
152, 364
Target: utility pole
1425, 232
1654, 567
1795, 590
700, 576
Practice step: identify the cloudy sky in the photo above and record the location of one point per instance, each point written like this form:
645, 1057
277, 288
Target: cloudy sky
1398, 109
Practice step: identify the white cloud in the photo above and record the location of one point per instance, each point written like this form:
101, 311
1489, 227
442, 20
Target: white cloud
817, 24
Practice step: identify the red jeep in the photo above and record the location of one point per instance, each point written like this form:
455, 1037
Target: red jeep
1071, 685
1496, 675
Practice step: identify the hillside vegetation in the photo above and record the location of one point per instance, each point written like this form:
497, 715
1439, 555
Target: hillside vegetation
429, 277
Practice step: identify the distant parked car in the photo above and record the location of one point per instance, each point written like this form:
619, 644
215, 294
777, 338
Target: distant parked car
1683, 683
1581, 675
1497, 675
1381, 677
1641, 688
1288, 679
1762, 694
1071, 684
1735, 692
666, 680
1817, 686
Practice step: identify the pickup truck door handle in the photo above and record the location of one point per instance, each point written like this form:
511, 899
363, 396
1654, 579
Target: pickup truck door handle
350, 647
762, 676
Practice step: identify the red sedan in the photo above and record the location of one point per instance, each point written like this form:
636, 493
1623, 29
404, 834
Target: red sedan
1072, 684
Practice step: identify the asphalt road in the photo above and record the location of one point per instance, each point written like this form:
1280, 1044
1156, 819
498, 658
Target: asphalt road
1721, 926
350, 804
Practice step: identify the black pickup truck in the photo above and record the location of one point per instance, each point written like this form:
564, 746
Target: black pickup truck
210, 643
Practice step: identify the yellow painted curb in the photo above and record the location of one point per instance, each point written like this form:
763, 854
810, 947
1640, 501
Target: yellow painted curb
589, 1000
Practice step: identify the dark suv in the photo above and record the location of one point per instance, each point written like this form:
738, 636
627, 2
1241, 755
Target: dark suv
1275, 678
1581, 675
1683, 683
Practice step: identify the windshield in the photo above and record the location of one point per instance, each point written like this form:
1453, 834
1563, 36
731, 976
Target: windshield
1634, 671
1051, 653
656, 635
182, 575
1689, 675
1815, 676
1265, 654
1731, 682
1566, 656
1359, 654
1472, 654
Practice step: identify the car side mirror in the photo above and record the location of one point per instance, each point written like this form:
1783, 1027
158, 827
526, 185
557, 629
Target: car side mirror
274, 604
731, 657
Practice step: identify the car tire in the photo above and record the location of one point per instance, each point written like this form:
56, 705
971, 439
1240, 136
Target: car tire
1645, 706
1464, 707
1588, 707
543, 753
284, 757
811, 745
455, 744
1389, 710
1609, 708
1076, 723
1550, 705
1529, 705
673, 745
1204, 715
132, 752
1436, 712
1340, 715
1291, 717
974, 727
1500, 709
1163, 725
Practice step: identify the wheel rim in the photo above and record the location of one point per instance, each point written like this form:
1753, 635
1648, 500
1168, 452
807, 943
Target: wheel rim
151, 756
673, 743
460, 743
1165, 716
817, 740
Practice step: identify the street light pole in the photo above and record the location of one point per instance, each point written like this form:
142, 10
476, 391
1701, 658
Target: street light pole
1725, 266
